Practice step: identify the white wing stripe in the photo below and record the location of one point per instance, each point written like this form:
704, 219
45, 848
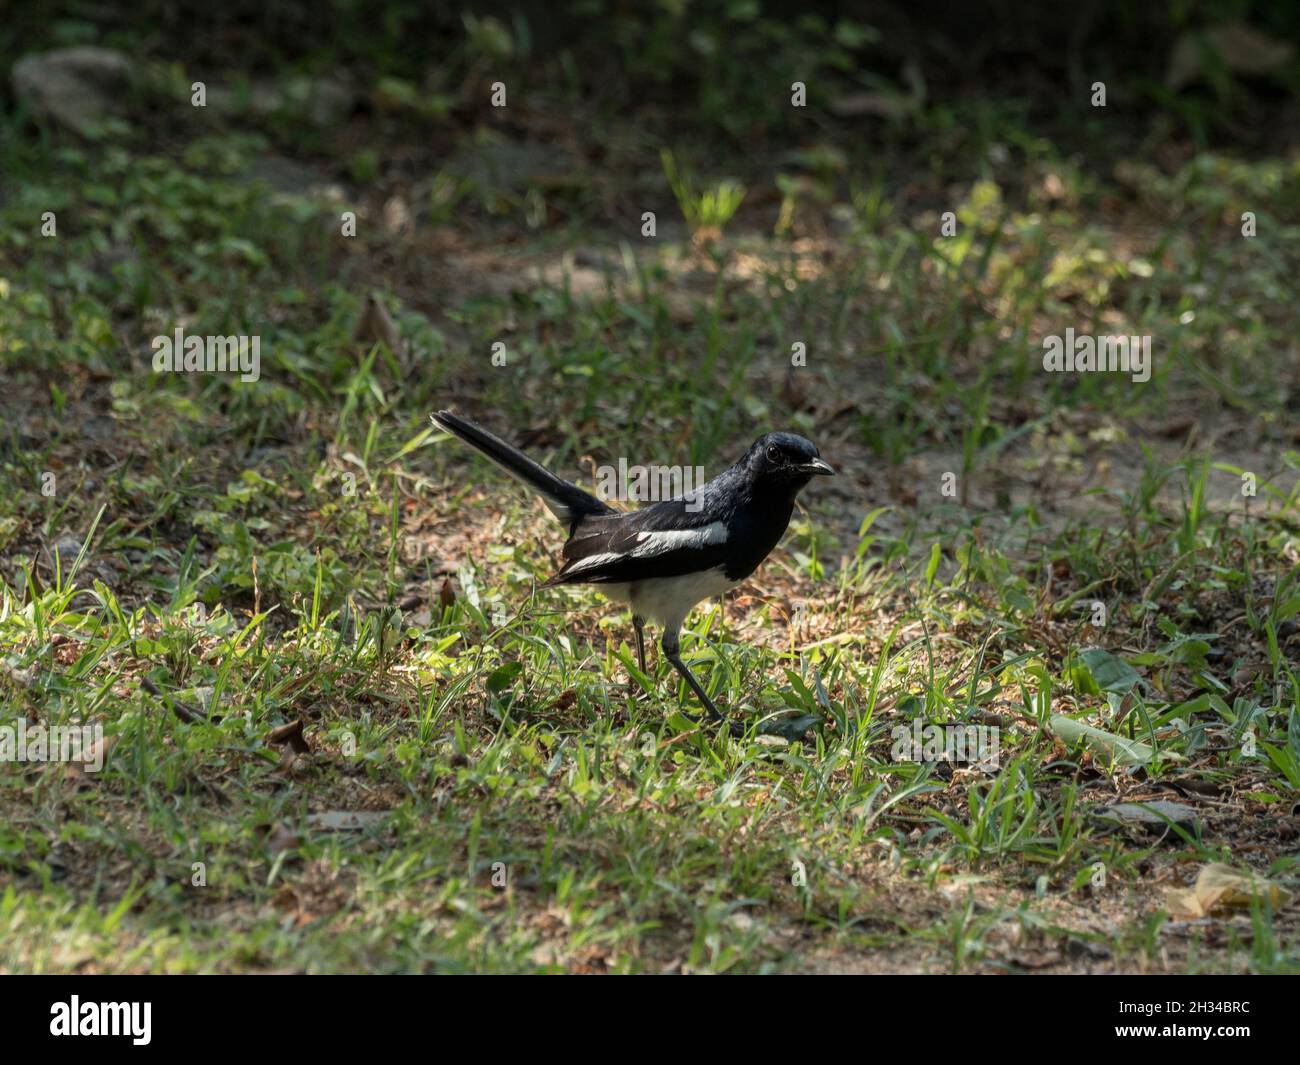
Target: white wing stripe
651, 543
593, 562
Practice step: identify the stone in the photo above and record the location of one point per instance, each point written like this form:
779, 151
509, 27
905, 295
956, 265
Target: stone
76, 88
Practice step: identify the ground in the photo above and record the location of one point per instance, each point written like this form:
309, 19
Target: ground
345, 729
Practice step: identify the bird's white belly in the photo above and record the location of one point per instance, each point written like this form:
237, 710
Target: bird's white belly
667, 600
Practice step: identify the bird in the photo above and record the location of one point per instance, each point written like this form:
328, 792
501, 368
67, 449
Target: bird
667, 556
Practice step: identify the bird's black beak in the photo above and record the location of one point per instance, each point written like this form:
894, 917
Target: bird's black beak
817, 466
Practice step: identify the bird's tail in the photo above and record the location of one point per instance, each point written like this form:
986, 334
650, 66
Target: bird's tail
566, 501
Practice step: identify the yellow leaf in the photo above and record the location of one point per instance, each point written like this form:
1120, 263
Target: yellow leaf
1219, 886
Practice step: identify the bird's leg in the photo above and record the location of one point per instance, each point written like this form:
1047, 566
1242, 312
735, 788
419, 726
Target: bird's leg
672, 651
638, 623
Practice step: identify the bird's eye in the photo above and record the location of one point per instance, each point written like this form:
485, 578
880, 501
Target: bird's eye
774, 455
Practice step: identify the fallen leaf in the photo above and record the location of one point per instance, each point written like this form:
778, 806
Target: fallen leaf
290, 734
1109, 672
1121, 706
1122, 750
24, 678
1219, 886
80, 770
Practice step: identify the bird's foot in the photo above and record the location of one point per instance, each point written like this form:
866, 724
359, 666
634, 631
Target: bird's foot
718, 721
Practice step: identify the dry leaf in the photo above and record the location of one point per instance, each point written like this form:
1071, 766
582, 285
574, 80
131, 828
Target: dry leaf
290, 734
80, 771
1220, 885
289, 737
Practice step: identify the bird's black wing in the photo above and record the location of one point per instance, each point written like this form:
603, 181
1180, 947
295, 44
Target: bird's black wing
663, 540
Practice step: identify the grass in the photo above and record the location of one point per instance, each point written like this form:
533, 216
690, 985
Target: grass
200, 565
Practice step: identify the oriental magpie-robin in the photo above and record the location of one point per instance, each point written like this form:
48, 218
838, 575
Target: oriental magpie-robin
666, 557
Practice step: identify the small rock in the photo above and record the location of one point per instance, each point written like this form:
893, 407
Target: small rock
72, 87
1156, 814
65, 551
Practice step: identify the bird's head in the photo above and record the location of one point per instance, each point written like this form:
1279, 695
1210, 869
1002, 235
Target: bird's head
785, 462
